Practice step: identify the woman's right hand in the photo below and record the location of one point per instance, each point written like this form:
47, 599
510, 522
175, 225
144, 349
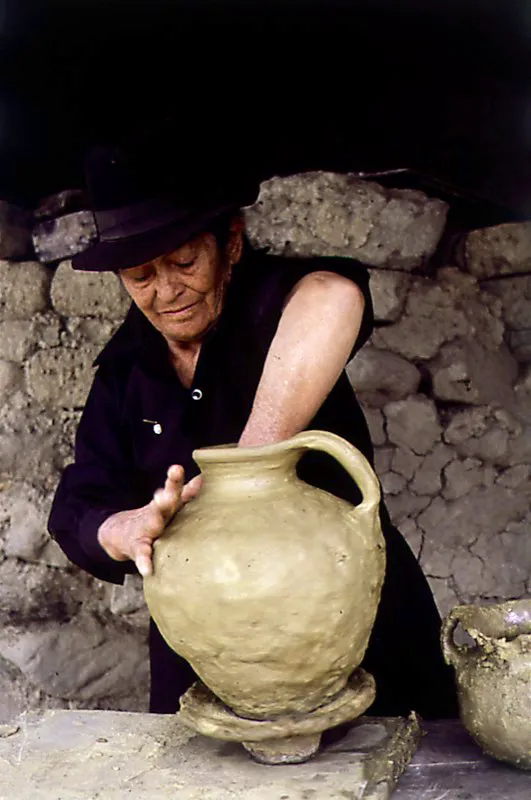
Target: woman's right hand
130, 534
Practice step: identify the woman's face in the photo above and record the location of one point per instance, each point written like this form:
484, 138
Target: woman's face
182, 292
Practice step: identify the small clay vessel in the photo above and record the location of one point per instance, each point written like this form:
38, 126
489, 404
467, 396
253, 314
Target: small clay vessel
269, 587
494, 676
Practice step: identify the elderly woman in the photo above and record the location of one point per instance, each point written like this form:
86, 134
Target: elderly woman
224, 344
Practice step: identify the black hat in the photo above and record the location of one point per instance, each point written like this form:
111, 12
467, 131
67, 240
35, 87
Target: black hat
146, 205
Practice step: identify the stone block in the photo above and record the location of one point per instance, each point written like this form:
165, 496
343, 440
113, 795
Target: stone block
35, 445
413, 423
392, 483
522, 397
46, 329
389, 290
88, 294
483, 511
519, 448
515, 477
413, 536
24, 289
382, 459
61, 377
23, 515
461, 476
406, 462
440, 311
506, 560
428, 476
80, 330
83, 660
15, 231
332, 214
19, 338
470, 423
438, 548
49, 594
10, 377
35, 454
314, 213
405, 506
16, 340
128, 598
468, 573
380, 376
32, 591
375, 421
60, 203
489, 434
515, 296
12, 691
18, 695
407, 230
63, 237
524, 382
429, 320
499, 250
519, 343
465, 371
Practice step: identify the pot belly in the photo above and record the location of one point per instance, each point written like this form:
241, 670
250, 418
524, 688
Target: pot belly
272, 614
495, 708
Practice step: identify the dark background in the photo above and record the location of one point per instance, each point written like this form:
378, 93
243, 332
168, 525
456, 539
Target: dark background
440, 89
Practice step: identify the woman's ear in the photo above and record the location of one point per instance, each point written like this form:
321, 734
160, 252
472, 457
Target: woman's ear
235, 239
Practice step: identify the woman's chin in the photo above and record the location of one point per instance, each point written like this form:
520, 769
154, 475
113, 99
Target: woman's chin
184, 330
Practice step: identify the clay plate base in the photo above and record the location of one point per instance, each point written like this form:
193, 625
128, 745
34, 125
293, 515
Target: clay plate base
287, 739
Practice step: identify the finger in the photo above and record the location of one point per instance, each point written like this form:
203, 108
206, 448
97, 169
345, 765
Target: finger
191, 489
175, 474
168, 500
165, 503
142, 556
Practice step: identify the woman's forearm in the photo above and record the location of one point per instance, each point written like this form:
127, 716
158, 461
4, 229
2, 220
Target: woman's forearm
315, 336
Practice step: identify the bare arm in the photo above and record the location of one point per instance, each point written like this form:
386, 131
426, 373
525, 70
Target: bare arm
315, 336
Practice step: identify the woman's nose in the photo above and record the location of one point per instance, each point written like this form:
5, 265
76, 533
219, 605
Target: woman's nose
169, 284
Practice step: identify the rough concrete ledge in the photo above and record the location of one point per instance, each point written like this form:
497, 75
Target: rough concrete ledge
84, 755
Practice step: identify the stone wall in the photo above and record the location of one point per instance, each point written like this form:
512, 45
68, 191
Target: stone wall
445, 382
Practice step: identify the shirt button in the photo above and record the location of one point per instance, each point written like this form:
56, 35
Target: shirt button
197, 394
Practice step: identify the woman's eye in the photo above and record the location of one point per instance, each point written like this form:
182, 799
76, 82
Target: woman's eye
139, 279
184, 264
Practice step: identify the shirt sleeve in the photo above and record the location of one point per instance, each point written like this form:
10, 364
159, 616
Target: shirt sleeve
96, 485
280, 276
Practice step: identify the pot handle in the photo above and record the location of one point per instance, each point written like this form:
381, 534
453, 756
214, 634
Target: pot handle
350, 459
454, 654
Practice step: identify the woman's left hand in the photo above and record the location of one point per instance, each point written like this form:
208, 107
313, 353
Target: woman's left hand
130, 534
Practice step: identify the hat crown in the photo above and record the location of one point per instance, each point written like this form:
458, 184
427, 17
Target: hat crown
147, 201
116, 177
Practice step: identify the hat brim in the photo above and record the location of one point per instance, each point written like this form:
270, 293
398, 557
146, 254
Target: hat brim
131, 251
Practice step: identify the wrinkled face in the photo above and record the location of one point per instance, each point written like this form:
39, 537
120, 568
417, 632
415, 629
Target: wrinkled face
181, 293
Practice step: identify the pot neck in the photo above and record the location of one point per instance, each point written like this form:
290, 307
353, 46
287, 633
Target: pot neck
502, 621
230, 470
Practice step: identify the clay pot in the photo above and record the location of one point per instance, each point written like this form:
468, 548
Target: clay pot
266, 585
494, 676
